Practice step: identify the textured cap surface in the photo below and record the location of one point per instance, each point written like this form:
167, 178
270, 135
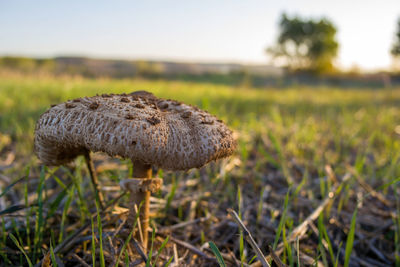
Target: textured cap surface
164, 133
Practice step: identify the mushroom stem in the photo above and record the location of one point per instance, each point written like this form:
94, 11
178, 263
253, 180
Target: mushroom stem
140, 170
93, 177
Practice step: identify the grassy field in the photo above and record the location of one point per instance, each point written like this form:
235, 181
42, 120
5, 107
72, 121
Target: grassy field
299, 149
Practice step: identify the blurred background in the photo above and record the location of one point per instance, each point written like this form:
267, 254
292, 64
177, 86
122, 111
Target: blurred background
256, 43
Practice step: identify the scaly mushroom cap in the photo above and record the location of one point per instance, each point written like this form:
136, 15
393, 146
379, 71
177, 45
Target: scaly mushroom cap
139, 126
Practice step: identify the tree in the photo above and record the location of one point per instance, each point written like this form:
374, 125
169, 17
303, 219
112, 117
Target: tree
306, 44
396, 46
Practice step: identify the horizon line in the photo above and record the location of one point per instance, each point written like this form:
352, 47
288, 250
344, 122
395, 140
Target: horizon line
361, 69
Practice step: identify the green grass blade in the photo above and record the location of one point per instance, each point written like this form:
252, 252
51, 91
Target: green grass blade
124, 246
39, 213
128, 239
171, 194
260, 205
12, 209
324, 232
217, 254
76, 180
100, 231
4, 241
21, 249
241, 240
164, 243
350, 239
64, 214
169, 261
282, 221
17, 231
126, 259
59, 182
252, 260
53, 257
28, 213
287, 246
93, 244
396, 222
8, 188
153, 234
54, 205
270, 159
337, 255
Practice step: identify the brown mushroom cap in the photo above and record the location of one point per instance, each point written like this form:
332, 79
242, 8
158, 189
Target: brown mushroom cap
164, 133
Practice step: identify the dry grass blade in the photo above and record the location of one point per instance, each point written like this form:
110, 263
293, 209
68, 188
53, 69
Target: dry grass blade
191, 248
46, 260
249, 238
176, 257
183, 224
302, 228
369, 189
275, 257
139, 250
80, 260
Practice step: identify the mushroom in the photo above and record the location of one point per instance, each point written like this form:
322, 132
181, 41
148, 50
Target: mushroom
148, 130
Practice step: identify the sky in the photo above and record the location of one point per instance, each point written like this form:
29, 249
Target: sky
204, 31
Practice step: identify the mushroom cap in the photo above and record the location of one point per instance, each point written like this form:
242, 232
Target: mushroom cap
163, 133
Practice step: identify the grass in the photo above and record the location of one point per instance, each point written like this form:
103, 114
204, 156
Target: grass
288, 139
217, 254
350, 239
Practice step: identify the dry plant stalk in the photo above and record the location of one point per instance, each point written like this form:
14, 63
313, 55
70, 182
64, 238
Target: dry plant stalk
301, 229
249, 238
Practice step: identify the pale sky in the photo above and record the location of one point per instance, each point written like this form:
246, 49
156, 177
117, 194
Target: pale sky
208, 30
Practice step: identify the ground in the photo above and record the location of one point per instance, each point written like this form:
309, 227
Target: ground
315, 180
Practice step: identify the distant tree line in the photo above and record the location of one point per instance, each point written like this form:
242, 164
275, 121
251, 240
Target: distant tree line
87, 67
120, 69
25, 64
396, 45
310, 45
